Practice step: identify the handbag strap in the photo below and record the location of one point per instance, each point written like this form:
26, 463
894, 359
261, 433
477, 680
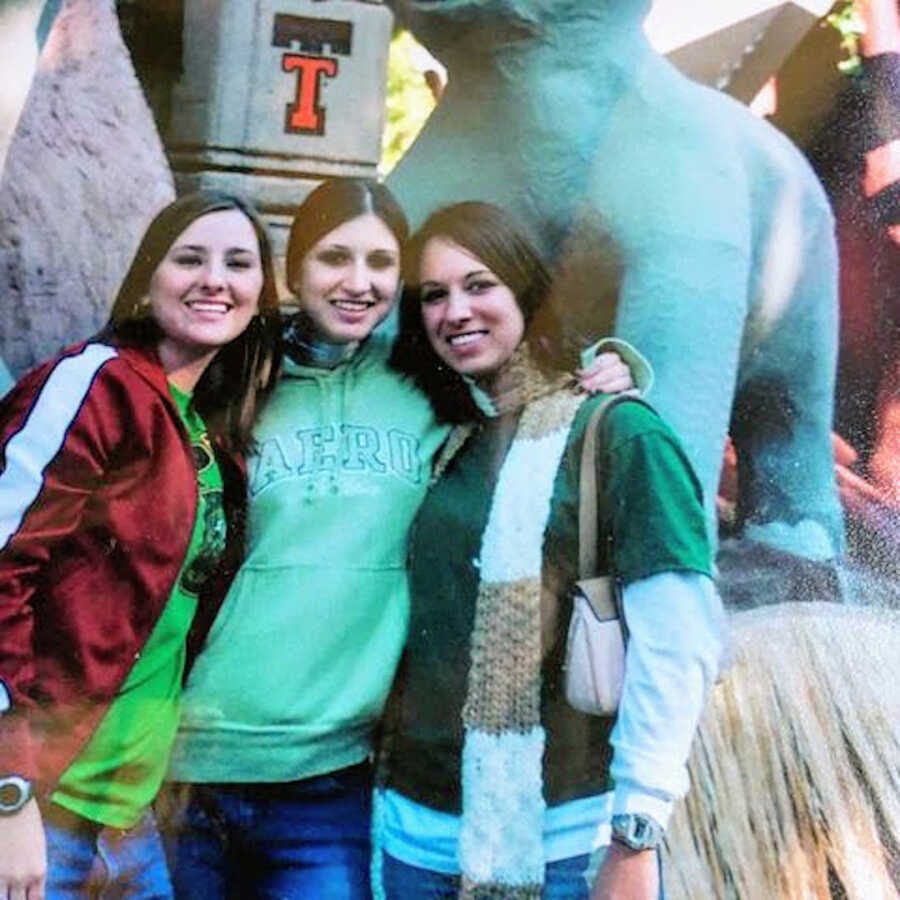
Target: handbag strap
588, 518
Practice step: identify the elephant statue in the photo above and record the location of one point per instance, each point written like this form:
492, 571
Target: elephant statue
564, 114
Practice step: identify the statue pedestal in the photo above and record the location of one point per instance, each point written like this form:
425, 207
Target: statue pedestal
277, 95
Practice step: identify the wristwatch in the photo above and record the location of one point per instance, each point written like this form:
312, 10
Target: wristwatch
15, 792
637, 831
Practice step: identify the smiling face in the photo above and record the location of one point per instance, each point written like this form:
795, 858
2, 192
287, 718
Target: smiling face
348, 280
471, 317
206, 288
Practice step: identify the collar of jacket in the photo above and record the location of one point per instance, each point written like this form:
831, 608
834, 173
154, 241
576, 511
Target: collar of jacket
518, 381
145, 361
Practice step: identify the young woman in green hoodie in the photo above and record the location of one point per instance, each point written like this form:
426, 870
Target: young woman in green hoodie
281, 707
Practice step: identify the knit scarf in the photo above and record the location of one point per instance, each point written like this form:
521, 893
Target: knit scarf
501, 837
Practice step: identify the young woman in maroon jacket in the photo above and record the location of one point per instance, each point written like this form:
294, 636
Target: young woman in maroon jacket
120, 496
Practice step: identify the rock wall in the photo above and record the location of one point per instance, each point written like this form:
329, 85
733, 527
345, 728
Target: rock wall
85, 174
18, 61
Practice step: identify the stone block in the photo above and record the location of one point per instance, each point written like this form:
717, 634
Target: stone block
277, 95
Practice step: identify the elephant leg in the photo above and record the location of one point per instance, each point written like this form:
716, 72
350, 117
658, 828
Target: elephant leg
782, 418
683, 306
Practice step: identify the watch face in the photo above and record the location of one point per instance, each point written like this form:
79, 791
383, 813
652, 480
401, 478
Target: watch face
638, 831
14, 794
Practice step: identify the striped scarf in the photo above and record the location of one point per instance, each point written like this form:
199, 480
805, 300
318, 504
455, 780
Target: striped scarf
501, 837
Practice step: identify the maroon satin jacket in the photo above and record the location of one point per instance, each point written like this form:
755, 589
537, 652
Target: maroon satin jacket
98, 493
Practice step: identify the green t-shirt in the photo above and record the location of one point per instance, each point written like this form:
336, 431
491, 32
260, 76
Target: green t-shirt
650, 501
119, 771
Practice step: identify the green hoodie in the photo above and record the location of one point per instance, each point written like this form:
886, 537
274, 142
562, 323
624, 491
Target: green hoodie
297, 666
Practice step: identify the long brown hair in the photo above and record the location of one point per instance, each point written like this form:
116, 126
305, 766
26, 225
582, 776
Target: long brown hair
493, 236
331, 204
230, 392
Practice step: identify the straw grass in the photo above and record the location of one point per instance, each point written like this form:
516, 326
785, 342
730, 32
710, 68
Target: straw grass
795, 771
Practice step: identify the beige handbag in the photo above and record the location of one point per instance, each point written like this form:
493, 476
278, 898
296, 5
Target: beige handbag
595, 648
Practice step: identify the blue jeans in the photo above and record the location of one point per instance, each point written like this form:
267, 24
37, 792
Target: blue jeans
563, 880
300, 839
85, 859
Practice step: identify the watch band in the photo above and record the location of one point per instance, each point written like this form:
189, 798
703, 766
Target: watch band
637, 831
15, 792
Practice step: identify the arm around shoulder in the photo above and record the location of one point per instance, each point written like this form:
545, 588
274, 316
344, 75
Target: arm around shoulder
641, 372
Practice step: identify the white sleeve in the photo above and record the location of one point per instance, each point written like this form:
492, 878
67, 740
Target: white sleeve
675, 623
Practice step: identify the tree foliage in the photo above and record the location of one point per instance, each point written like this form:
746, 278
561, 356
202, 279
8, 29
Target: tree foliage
848, 21
409, 100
